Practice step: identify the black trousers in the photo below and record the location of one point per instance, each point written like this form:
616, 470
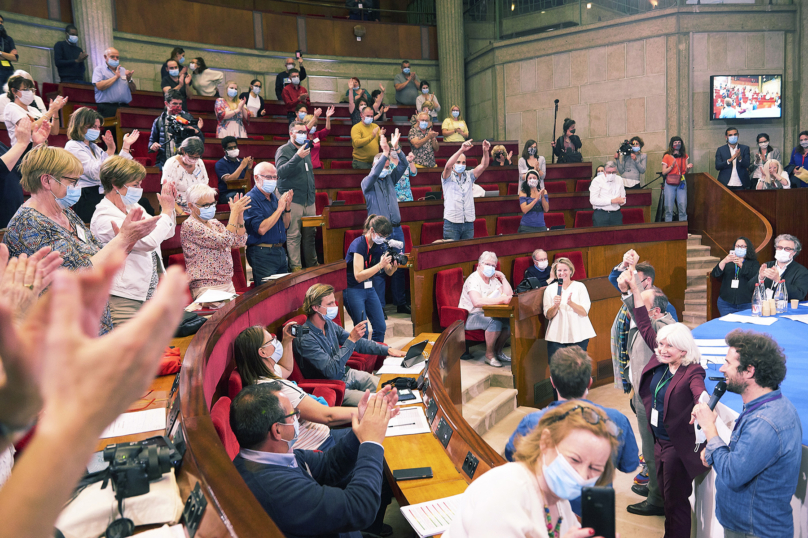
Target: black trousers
607, 218
108, 110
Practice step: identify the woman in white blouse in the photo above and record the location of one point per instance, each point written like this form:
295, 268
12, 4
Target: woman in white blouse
570, 448
83, 130
567, 312
136, 282
185, 170
255, 103
773, 176
22, 103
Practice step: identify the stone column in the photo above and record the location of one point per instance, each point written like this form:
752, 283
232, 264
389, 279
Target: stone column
93, 19
451, 56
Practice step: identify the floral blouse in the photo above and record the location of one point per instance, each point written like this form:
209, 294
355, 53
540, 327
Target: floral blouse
403, 190
228, 127
425, 155
183, 180
29, 230
208, 260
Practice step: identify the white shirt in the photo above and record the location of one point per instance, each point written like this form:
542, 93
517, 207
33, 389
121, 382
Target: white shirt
567, 327
91, 157
311, 434
506, 502
13, 113
783, 175
207, 82
734, 179
173, 171
476, 283
6, 464
254, 106
605, 188
132, 282
458, 197
38, 103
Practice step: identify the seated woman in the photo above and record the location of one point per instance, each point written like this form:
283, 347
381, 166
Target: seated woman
206, 242
46, 220
185, 170
135, 284
566, 307
773, 176
424, 141
83, 130
534, 203
570, 448
738, 273
366, 259
487, 286
501, 156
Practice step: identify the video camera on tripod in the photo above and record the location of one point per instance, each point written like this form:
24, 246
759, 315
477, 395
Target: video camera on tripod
180, 126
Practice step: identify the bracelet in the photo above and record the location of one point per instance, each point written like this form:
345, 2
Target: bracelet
287, 210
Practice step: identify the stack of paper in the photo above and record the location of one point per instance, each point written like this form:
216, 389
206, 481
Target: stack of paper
737, 318
137, 422
410, 421
802, 318
392, 365
432, 517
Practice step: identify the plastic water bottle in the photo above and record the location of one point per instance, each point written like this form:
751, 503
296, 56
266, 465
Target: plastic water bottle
757, 302
781, 296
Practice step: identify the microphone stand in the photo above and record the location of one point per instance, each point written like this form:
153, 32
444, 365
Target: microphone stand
657, 178
555, 120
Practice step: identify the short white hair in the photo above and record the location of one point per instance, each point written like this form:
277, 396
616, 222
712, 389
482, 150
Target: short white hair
536, 252
609, 164
259, 168
679, 336
487, 255
198, 192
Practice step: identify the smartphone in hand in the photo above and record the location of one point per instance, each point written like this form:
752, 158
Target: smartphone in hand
597, 511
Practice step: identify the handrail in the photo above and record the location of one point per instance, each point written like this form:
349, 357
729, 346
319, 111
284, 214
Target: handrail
336, 6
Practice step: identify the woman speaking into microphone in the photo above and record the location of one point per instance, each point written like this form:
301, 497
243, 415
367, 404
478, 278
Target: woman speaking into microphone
566, 307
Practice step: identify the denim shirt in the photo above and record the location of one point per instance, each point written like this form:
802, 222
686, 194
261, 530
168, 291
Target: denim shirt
756, 475
323, 355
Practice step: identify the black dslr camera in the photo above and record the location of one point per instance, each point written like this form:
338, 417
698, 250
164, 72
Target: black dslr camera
625, 148
133, 465
393, 247
299, 330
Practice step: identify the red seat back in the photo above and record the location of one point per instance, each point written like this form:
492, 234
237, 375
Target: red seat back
513, 188
520, 265
220, 415
320, 202
583, 219
239, 275
234, 384
341, 165
430, 232
350, 235
508, 225
556, 186
176, 259
440, 163
633, 215
471, 162
419, 192
480, 228
489, 186
296, 375
448, 287
351, 197
405, 229
554, 219
210, 168
577, 259
582, 185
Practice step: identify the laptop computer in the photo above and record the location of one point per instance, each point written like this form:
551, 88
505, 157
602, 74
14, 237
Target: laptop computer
415, 354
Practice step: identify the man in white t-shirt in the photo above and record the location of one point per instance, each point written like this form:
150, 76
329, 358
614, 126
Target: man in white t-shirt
487, 286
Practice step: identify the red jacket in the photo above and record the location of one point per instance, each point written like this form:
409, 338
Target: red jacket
291, 94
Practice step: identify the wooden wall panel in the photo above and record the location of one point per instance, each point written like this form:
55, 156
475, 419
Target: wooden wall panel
409, 42
187, 21
66, 8
280, 33
336, 38
433, 42
32, 8
319, 36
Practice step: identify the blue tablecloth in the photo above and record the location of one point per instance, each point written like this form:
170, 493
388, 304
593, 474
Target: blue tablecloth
792, 337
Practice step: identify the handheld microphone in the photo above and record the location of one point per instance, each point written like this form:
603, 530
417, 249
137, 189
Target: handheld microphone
560, 286
718, 392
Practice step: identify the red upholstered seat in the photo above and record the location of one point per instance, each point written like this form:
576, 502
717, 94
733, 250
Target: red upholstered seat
351, 197
583, 219
222, 208
480, 228
520, 265
489, 186
176, 259
350, 235
555, 186
513, 188
279, 138
405, 229
220, 415
341, 165
234, 384
577, 259
448, 286
582, 185
239, 276
633, 215
471, 162
440, 163
508, 225
419, 192
554, 219
320, 202
431, 232
210, 168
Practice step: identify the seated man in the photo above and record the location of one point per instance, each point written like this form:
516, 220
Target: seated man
786, 248
540, 269
307, 492
487, 286
571, 375
230, 167
172, 127
607, 194
324, 351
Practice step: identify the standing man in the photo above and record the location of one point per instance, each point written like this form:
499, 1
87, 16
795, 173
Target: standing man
69, 58
230, 167
294, 94
458, 195
607, 194
8, 53
786, 248
365, 140
407, 85
171, 127
113, 84
296, 175
284, 77
379, 188
732, 162
266, 221
756, 474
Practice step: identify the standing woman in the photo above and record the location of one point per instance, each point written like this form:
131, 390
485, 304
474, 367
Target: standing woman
568, 146
83, 131
255, 103
738, 273
631, 167
764, 154
531, 160
534, 203
313, 134
403, 188
567, 311
178, 55
671, 384
366, 259
203, 80
428, 100
21, 104
454, 127
799, 159
185, 170
231, 114
674, 167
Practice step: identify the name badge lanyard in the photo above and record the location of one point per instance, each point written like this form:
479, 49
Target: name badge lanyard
662, 382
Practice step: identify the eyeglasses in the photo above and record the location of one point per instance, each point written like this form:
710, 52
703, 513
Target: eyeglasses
203, 206
270, 343
295, 413
73, 181
262, 176
592, 417
787, 249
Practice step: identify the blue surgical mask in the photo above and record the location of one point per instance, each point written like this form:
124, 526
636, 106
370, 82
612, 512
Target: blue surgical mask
70, 198
313, 130
207, 213
455, 114
300, 138
384, 173
368, 120
733, 139
423, 124
301, 115
489, 271
132, 195
563, 480
92, 134
406, 70
459, 168
295, 80
174, 72
425, 90
181, 61
232, 92
635, 149
331, 312
113, 63
256, 90
740, 252
291, 441
269, 185
73, 39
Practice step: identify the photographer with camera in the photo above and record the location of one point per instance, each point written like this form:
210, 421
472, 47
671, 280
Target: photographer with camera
172, 127
631, 162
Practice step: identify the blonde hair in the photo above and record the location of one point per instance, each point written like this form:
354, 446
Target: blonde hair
779, 168
81, 119
459, 116
528, 447
44, 160
117, 172
315, 296
679, 336
565, 261
499, 148
233, 104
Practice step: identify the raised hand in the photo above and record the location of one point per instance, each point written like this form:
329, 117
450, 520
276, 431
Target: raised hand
239, 203
373, 426
168, 197
130, 138
385, 147
394, 139
248, 161
329, 112
410, 157
57, 104
510, 155
376, 131
318, 112
466, 145
486, 146
109, 141
24, 278
381, 87
358, 331
135, 227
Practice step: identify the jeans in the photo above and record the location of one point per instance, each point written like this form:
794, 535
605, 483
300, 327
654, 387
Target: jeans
398, 281
458, 232
725, 308
363, 303
266, 262
299, 238
679, 194
332, 440
607, 218
356, 383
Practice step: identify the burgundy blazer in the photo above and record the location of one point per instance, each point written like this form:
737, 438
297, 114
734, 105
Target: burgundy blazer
682, 394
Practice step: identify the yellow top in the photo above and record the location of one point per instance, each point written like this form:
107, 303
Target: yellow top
365, 145
451, 124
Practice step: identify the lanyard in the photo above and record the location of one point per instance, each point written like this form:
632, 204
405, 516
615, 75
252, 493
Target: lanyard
736, 270
754, 407
367, 260
661, 384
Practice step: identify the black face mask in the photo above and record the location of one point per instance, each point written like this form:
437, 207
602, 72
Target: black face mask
572, 131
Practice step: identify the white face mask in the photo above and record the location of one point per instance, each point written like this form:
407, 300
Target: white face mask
278, 353
232, 153
533, 182
542, 265
26, 97
763, 145
782, 256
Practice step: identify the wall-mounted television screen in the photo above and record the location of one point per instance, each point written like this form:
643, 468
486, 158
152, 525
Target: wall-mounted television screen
746, 97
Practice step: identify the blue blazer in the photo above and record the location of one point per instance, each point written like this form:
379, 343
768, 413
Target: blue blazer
722, 155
